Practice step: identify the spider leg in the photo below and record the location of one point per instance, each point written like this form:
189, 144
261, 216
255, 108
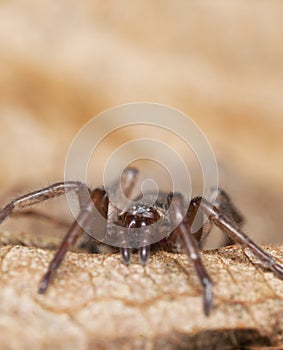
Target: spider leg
125, 190
223, 202
99, 200
191, 247
238, 236
55, 190
128, 186
225, 205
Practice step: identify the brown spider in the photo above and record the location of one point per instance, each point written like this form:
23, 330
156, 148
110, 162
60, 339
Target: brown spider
222, 214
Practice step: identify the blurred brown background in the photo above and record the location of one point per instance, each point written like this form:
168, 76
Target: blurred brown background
219, 62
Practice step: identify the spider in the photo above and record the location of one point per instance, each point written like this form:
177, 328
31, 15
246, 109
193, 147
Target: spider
223, 214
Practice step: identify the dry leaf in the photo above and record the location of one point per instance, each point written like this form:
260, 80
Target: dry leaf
96, 302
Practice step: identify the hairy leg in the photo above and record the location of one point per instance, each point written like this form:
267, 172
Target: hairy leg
225, 205
237, 235
190, 245
43, 194
98, 200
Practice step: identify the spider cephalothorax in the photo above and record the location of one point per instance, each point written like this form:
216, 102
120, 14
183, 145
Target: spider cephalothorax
178, 234
139, 216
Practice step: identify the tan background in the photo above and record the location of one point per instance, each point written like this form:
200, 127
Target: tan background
219, 62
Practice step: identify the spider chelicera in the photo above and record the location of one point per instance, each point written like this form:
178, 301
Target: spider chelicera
223, 214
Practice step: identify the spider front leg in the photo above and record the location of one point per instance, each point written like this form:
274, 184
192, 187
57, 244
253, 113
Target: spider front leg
190, 245
55, 190
238, 236
98, 200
